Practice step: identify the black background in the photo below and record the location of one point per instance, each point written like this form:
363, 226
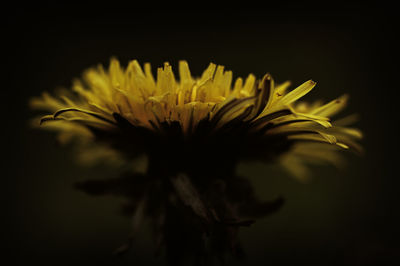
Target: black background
342, 217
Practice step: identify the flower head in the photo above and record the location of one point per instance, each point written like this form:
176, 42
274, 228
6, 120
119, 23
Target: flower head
194, 130
205, 120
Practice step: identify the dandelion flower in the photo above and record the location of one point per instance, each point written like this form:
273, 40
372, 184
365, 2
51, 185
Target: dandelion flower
194, 131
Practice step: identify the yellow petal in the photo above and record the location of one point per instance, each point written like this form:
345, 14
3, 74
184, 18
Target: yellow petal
332, 107
297, 93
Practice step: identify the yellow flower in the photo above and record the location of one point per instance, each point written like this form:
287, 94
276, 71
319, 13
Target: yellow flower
197, 120
193, 130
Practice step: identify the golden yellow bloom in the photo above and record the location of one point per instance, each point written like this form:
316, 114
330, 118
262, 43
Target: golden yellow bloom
216, 116
193, 130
